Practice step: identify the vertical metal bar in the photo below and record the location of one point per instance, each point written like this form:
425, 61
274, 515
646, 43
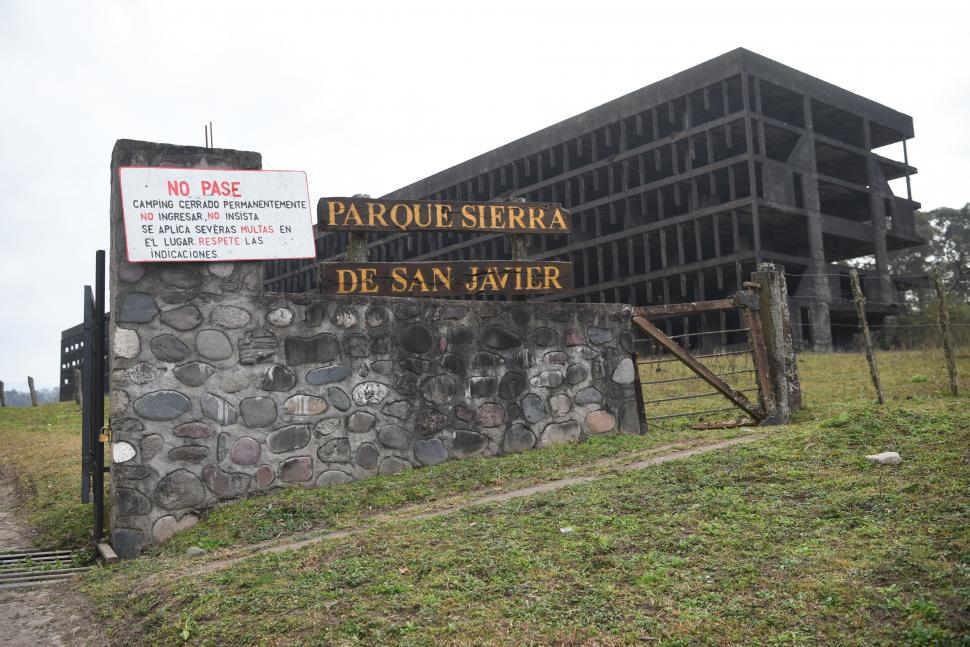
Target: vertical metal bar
638, 389
97, 395
85, 386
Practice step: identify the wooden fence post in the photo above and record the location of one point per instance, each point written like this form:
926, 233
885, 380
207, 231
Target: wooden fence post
944, 320
860, 306
519, 246
776, 328
33, 392
3, 396
357, 243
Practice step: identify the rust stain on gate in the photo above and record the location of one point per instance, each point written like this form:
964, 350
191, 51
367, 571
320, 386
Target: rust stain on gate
746, 302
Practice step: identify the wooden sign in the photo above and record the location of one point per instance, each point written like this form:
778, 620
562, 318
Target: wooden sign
370, 214
439, 279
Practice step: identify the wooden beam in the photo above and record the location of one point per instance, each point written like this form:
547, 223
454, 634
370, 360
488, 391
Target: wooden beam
676, 309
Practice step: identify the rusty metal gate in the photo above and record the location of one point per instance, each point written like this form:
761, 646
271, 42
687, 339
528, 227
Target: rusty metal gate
714, 343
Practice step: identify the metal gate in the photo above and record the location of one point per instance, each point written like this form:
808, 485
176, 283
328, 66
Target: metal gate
92, 399
681, 347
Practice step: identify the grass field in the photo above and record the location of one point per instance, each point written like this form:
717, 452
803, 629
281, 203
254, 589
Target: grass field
40, 452
794, 539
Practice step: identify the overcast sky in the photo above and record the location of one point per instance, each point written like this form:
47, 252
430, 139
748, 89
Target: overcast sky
370, 96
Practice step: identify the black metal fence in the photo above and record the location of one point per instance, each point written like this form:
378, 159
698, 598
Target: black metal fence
93, 435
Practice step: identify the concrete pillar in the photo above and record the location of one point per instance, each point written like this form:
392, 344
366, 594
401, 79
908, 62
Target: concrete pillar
795, 316
878, 190
878, 211
746, 81
819, 291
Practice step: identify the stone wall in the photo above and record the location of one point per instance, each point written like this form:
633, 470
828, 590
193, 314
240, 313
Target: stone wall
219, 390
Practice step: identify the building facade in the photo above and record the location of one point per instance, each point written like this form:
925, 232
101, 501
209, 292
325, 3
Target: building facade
72, 355
680, 189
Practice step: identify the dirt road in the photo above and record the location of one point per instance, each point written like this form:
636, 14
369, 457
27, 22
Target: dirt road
53, 614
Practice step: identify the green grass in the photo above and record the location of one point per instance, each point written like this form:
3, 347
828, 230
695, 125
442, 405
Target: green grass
796, 540
40, 450
793, 540
295, 510
41, 447
911, 376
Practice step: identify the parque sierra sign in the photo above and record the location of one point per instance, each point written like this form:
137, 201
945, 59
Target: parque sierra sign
180, 214
370, 214
362, 214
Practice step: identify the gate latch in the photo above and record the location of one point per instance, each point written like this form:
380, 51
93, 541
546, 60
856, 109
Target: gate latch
105, 435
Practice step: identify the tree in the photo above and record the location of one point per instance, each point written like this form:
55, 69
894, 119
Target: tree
947, 235
951, 248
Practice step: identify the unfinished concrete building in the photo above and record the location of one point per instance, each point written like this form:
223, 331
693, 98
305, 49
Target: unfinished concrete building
678, 190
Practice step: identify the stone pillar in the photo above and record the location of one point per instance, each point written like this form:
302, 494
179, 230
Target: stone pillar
139, 294
779, 342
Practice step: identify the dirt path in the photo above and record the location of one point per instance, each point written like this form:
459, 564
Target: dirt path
53, 614
602, 469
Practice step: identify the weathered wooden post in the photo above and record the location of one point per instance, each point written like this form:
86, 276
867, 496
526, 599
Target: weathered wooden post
519, 246
860, 306
3, 396
357, 242
33, 392
775, 319
944, 320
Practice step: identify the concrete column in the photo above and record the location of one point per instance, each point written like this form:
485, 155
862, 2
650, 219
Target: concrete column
752, 170
878, 189
878, 211
819, 290
795, 316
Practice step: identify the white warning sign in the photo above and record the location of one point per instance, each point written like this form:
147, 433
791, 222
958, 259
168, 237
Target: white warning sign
179, 215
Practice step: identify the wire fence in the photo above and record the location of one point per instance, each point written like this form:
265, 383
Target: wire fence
910, 324
908, 344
